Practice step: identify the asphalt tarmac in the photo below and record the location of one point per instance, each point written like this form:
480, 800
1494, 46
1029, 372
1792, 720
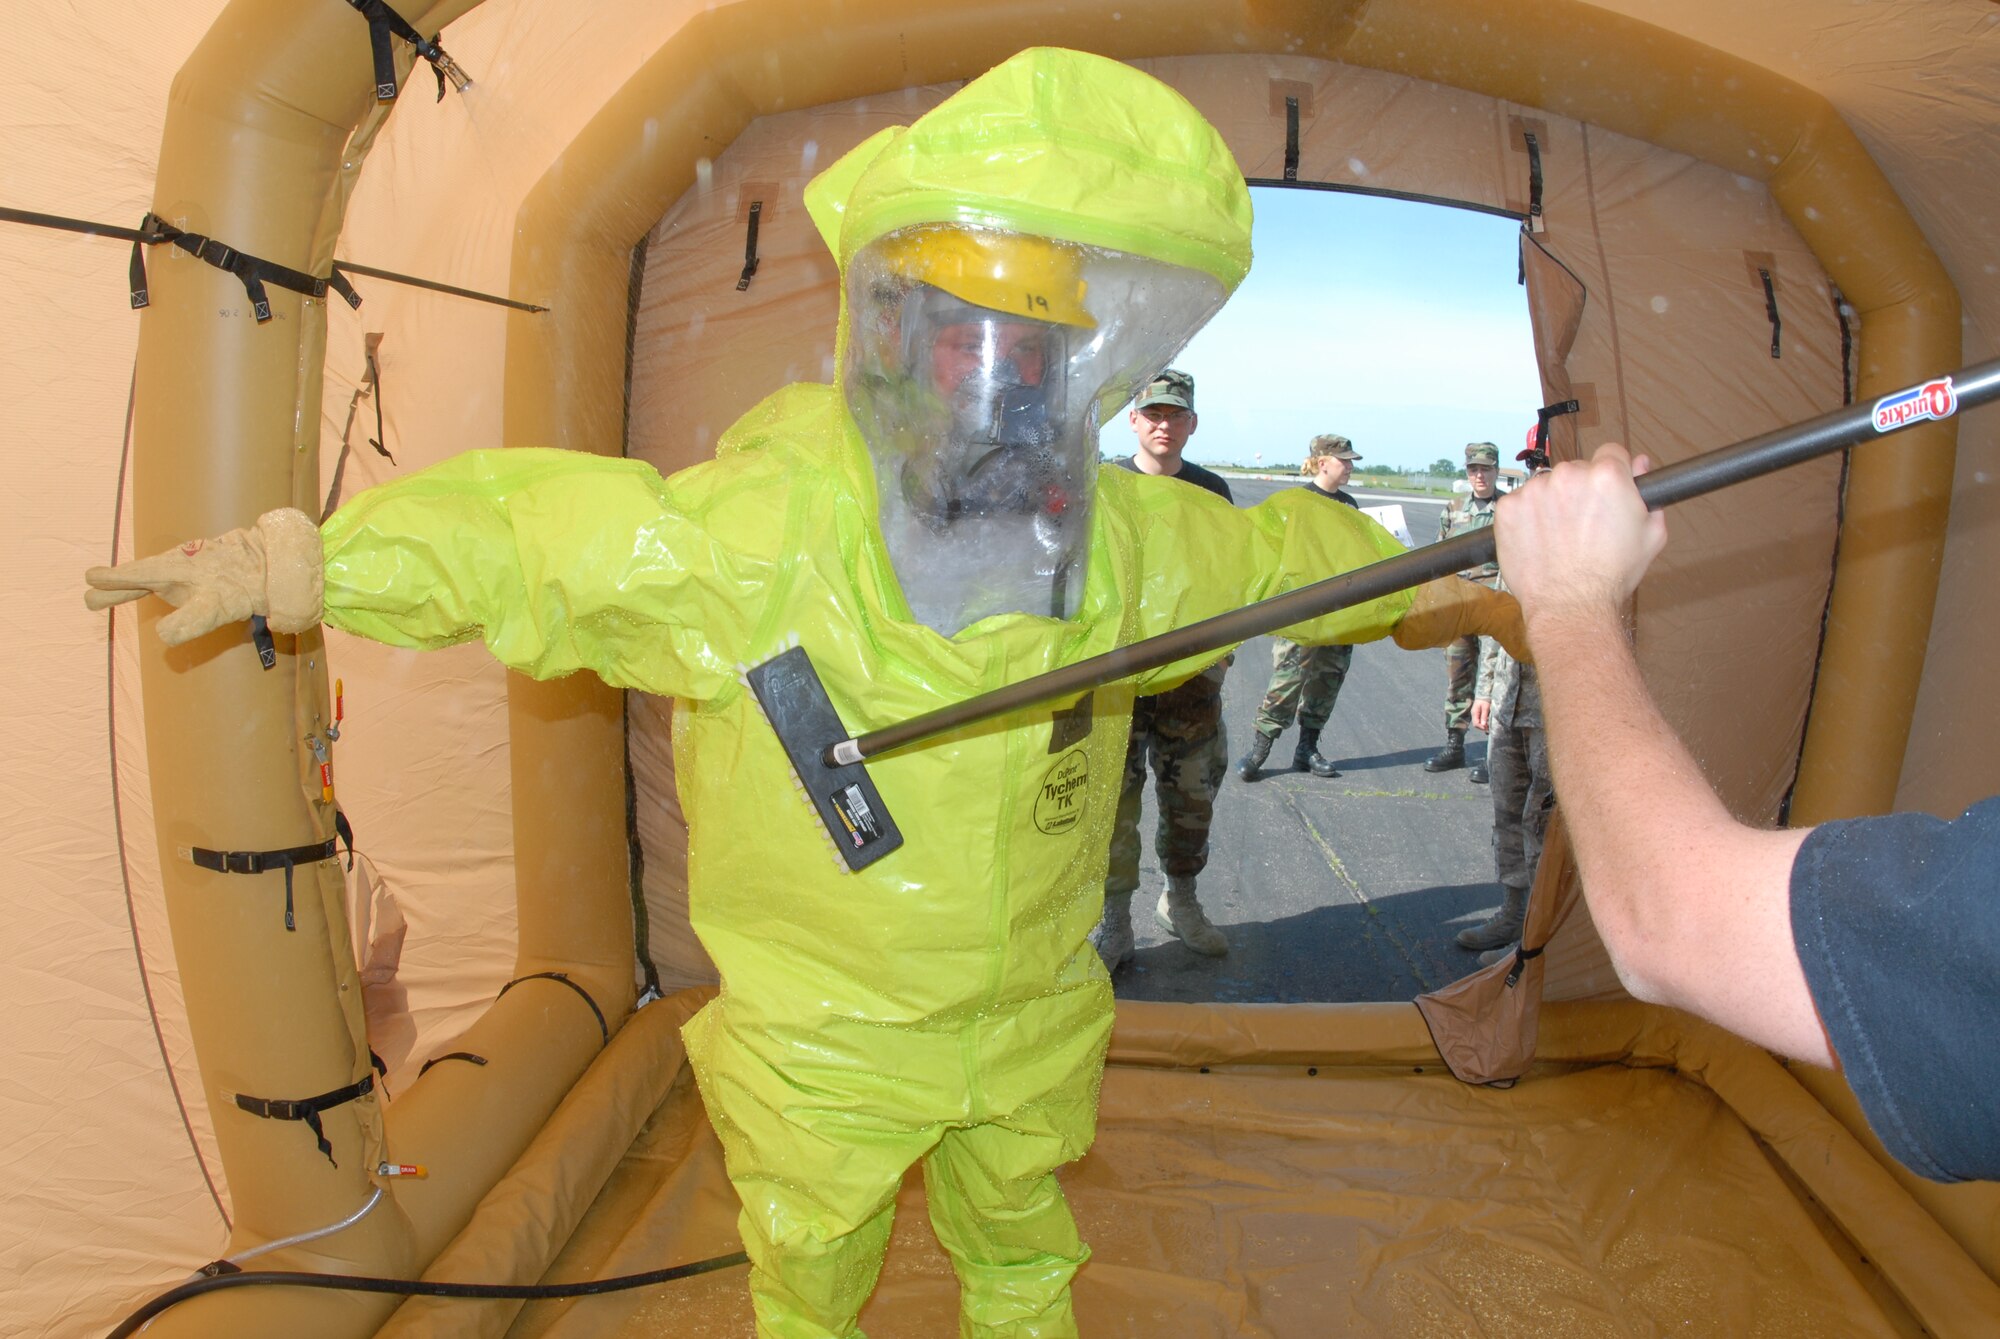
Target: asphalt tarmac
1333, 890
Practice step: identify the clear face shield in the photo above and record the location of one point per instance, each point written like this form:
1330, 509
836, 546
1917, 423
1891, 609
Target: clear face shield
980, 364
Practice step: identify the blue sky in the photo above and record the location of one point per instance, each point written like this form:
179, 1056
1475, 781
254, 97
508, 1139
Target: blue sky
1399, 325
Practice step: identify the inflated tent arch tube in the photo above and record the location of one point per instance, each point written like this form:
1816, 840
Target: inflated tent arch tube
269, 124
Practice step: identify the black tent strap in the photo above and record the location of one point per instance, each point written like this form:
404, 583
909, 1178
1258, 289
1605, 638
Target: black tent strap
254, 271
344, 828
466, 1056
266, 644
636, 863
263, 862
1291, 139
337, 279
1771, 307
369, 271
1522, 956
1841, 311
1542, 417
62, 224
602, 1027
1534, 173
374, 378
307, 1109
383, 23
750, 247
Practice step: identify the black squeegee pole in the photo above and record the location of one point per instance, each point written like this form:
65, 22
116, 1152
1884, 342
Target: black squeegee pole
1707, 473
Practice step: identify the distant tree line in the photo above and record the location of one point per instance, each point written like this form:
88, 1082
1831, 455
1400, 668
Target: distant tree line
1439, 475
1440, 466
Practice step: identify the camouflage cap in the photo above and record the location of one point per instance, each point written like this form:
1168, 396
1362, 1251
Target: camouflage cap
1482, 453
1331, 444
1171, 387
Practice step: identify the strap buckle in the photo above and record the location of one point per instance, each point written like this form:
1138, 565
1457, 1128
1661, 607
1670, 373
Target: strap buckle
218, 254
275, 1108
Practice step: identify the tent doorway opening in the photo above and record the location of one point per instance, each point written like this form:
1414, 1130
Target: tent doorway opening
1403, 326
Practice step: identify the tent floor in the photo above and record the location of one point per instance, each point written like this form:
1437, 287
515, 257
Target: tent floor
1369, 1195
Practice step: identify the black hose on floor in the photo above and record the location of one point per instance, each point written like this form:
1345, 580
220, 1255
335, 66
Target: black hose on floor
416, 1287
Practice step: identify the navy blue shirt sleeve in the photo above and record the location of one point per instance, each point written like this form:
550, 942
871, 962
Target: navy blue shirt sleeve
1897, 924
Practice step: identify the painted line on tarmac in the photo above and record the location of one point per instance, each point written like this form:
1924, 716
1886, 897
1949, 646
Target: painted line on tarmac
1404, 949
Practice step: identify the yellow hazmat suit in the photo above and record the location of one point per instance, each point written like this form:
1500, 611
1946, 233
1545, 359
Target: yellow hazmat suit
943, 1004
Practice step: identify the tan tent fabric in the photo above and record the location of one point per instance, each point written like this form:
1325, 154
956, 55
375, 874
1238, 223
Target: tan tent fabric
1674, 348
116, 1183
1649, 1176
1486, 1023
1923, 100
1555, 307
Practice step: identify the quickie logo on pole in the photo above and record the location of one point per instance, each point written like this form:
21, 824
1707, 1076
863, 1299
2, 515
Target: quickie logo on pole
1933, 399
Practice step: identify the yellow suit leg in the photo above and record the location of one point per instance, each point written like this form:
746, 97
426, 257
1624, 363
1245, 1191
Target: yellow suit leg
817, 1166
997, 1207
817, 1152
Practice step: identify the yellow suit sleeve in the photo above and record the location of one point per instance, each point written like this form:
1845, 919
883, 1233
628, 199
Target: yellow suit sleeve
1197, 557
559, 560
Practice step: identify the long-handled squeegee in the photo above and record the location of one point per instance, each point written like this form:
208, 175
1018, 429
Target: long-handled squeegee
828, 760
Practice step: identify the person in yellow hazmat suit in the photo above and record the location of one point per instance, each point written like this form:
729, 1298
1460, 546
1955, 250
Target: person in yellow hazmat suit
1015, 264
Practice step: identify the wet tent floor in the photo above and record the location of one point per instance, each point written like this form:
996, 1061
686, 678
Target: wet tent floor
1373, 1196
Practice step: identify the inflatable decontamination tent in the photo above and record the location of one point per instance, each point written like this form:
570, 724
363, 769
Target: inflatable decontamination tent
1734, 217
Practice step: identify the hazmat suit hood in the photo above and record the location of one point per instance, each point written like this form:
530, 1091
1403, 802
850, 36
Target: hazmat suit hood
1015, 265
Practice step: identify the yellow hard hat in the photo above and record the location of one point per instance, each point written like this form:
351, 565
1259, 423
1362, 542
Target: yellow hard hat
1003, 271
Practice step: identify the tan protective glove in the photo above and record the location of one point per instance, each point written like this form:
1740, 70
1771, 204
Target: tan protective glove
275, 568
1452, 607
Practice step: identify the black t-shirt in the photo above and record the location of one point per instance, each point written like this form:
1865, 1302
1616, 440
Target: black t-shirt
1190, 473
1337, 495
1897, 924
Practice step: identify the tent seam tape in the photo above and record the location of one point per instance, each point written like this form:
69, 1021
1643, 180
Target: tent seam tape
1610, 289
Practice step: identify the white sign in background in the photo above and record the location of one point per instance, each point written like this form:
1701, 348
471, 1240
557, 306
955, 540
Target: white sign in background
1390, 517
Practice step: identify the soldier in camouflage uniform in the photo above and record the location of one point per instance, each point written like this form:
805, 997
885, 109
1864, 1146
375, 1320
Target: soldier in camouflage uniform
1181, 735
1179, 731
1508, 706
1467, 511
1306, 679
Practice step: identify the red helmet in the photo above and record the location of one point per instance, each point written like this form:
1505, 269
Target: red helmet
1529, 454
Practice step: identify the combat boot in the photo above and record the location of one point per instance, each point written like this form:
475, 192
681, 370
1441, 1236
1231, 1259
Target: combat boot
1113, 936
1250, 765
1449, 758
1479, 776
1308, 759
1179, 914
1504, 927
